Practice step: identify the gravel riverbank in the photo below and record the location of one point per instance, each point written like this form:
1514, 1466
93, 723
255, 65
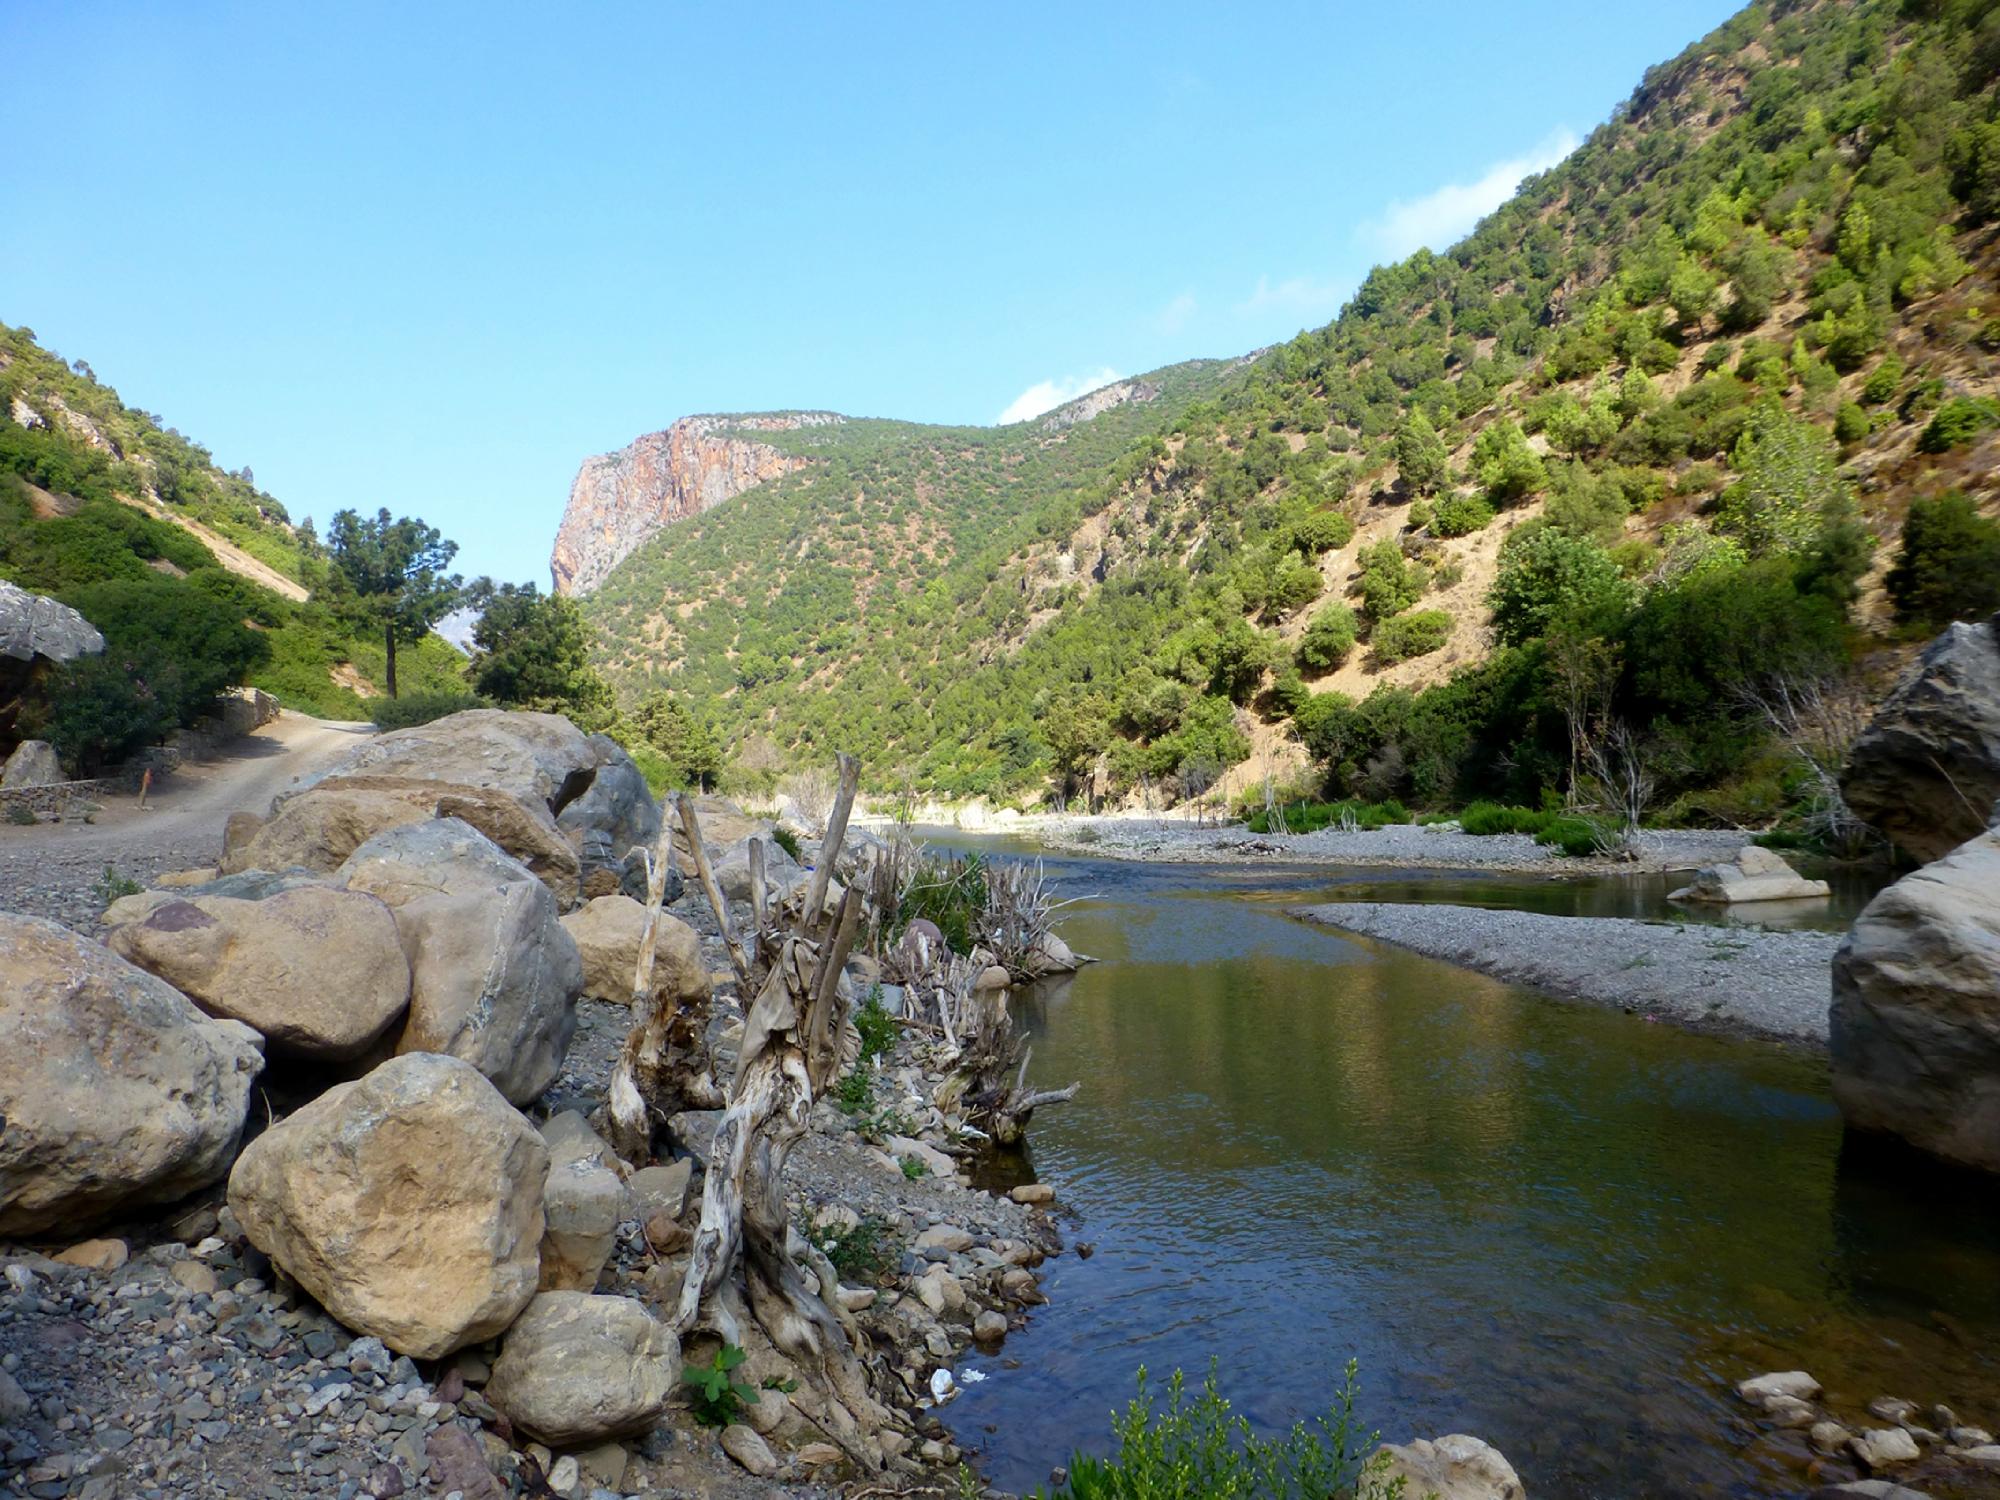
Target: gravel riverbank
1745, 981
1405, 845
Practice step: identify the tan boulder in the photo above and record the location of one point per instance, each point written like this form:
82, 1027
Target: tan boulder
318, 828
1456, 1467
494, 977
607, 932
583, 1201
320, 972
409, 1203
116, 1091
577, 1369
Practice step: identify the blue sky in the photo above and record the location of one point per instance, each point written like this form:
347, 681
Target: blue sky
430, 256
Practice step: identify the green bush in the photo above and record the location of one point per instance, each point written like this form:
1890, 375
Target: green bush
1484, 818
1196, 1448
1310, 817
1328, 639
420, 708
100, 709
1851, 423
1417, 632
1949, 564
1460, 515
1575, 835
1958, 422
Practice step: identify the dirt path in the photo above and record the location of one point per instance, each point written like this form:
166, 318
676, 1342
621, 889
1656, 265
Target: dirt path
54, 869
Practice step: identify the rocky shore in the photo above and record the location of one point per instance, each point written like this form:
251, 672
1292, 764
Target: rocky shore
1746, 981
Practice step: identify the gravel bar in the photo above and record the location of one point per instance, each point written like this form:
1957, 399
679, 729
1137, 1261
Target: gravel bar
1743, 981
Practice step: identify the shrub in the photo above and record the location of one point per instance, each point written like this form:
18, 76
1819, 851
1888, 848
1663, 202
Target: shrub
1328, 639
1575, 835
1958, 422
1310, 817
1196, 1447
1416, 632
100, 709
1851, 423
1389, 585
877, 1028
860, 1253
1949, 564
420, 708
1548, 578
1882, 381
1460, 515
1486, 818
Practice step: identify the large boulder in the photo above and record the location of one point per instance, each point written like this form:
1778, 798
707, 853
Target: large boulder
583, 1202
539, 758
1755, 874
1926, 770
1915, 1025
782, 873
722, 823
115, 1092
608, 931
409, 1203
247, 885
33, 763
320, 972
494, 978
33, 625
578, 1369
319, 827
1454, 1467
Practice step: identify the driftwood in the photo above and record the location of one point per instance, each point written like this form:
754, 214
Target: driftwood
747, 1263
664, 1067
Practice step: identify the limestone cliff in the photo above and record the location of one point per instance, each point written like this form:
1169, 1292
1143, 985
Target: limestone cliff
619, 499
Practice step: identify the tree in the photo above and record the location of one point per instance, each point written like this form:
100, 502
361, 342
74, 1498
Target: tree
687, 741
1328, 639
1547, 577
1505, 463
1421, 457
1791, 489
1949, 565
1388, 584
391, 575
531, 652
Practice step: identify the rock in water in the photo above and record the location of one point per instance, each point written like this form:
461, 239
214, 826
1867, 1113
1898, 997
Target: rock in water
494, 977
577, 1369
115, 1090
319, 827
33, 763
1755, 874
1915, 1025
1926, 771
409, 1203
1456, 1467
607, 932
319, 971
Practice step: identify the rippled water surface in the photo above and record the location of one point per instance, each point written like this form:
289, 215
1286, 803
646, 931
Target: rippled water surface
1564, 1229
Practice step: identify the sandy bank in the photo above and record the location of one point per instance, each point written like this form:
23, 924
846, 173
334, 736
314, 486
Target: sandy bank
1739, 980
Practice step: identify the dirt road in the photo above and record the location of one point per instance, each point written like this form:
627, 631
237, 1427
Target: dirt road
55, 869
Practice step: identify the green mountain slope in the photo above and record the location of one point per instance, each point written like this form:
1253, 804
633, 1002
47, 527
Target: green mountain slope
1667, 408
195, 575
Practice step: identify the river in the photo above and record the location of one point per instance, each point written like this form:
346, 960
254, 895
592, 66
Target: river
1565, 1229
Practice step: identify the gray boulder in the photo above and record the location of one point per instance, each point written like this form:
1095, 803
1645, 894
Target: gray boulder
1755, 874
1926, 771
1455, 1467
1915, 1023
577, 1369
115, 1090
782, 873
494, 977
33, 625
33, 763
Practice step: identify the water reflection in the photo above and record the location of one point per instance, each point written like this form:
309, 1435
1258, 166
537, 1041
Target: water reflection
1565, 1229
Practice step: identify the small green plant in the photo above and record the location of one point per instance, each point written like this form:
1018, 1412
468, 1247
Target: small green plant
1196, 1446
855, 1093
413, 709
718, 1398
21, 815
913, 1167
860, 1252
1576, 836
1486, 818
788, 841
878, 1028
112, 886
950, 892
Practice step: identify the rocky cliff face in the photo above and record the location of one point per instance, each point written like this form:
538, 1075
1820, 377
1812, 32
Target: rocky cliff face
619, 499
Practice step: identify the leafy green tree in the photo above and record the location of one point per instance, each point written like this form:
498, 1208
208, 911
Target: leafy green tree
1547, 577
1691, 291
1791, 487
1421, 456
1415, 632
1328, 639
391, 575
1506, 464
1948, 567
684, 739
530, 651
1389, 585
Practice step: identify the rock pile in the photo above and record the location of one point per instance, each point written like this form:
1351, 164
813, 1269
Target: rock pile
1888, 1436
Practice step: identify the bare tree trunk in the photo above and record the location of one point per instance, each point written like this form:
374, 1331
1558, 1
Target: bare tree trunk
389, 648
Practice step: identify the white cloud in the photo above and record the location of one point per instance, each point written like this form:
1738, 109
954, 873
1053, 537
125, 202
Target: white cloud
1047, 395
1302, 296
1440, 218
1175, 315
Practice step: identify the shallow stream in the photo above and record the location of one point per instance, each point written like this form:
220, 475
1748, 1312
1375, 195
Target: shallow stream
1564, 1229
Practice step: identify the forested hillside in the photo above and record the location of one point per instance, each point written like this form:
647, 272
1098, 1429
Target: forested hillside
195, 576
1627, 464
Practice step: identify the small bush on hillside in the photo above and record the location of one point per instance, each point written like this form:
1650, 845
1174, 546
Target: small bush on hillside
1418, 632
1958, 422
1328, 639
1949, 565
1460, 515
420, 708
